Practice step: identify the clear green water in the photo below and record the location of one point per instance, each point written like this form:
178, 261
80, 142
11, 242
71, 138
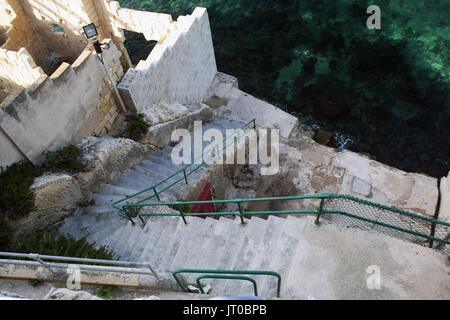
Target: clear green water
387, 89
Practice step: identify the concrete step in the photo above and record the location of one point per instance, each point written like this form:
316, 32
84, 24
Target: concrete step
286, 247
163, 246
201, 243
247, 252
124, 234
209, 247
72, 225
232, 244
213, 247
178, 240
131, 181
105, 199
101, 230
266, 249
117, 190
196, 229
154, 228
230, 251
113, 239
135, 239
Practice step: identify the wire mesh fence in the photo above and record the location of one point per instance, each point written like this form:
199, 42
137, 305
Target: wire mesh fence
353, 214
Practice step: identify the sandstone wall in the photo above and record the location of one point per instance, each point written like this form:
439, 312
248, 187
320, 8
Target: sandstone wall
17, 70
153, 25
180, 67
9, 152
75, 102
31, 24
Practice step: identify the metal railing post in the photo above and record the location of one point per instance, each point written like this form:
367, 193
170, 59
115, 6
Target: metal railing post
255, 286
148, 265
320, 211
185, 177
181, 213
156, 193
241, 213
35, 256
115, 204
128, 213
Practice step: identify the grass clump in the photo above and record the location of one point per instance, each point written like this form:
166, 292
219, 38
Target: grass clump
67, 158
34, 283
185, 207
6, 233
16, 198
137, 127
105, 292
132, 212
50, 243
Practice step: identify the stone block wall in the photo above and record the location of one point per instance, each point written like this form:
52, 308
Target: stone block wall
180, 68
31, 24
55, 90
153, 25
74, 102
17, 70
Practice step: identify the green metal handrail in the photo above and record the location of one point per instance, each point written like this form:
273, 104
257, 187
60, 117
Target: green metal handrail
220, 274
319, 212
185, 176
216, 276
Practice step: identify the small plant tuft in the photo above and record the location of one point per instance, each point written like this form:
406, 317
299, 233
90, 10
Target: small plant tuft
132, 212
6, 233
86, 203
105, 291
137, 127
34, 282
185, 207
67, 158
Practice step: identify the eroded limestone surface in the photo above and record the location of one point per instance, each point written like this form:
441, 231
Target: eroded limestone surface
315, 168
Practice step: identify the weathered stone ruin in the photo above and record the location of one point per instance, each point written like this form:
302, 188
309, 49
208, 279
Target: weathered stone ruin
55, 90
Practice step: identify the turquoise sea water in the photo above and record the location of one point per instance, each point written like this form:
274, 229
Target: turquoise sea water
386, 89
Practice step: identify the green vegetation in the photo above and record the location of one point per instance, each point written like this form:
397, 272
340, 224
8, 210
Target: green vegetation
16, 198
137, 127
186, 208
34, 283
132, 212
6, 233
67, 158
389, 89
105, 292
50, 243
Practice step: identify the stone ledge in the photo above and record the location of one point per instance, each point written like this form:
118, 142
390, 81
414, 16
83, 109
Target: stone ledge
160, 134
58, 194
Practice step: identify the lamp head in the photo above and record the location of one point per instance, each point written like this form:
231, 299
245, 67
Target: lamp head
90, 30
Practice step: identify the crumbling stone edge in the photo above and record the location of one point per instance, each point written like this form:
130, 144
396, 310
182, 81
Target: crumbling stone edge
58, 194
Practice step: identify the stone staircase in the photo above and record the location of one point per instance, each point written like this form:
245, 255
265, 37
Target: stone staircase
168, 244
142, 176
326, 262
315, 262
